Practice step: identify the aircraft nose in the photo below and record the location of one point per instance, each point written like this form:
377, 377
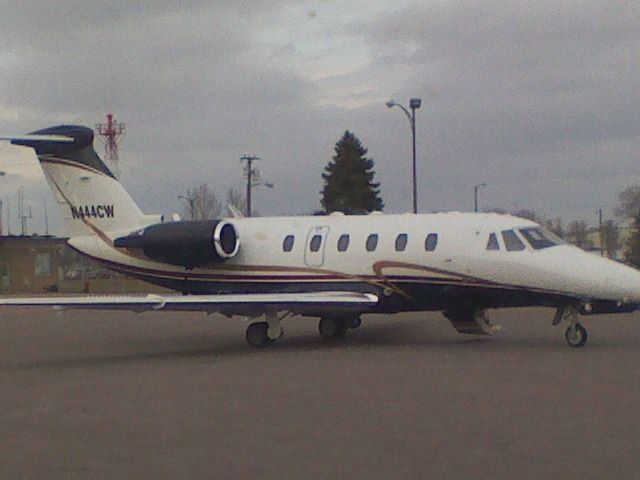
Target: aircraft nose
617, 281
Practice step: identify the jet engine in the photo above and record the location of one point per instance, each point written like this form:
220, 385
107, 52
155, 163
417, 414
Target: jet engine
189, 244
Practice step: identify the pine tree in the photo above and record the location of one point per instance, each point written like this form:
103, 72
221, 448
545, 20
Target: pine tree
348, 179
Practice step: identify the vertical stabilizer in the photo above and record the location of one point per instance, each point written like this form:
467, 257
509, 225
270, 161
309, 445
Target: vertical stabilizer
92, 201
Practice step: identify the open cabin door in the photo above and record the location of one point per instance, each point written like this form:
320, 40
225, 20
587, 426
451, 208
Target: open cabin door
315, 246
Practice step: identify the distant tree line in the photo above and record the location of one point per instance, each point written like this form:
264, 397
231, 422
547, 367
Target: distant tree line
202, 203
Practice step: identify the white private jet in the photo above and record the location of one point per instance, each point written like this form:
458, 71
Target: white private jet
335, 267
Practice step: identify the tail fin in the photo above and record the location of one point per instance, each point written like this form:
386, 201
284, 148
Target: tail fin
91, 199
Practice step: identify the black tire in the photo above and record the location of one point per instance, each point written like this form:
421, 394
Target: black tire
332, 327
257, 334
576, 335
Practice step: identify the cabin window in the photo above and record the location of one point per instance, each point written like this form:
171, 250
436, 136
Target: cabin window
431, 242
539, 238
401, 242
372, 242
492, 244
287, 244
511, 241
314, 244
343, 243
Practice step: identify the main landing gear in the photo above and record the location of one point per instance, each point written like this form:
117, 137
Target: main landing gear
261, 334
333, 327
575, 334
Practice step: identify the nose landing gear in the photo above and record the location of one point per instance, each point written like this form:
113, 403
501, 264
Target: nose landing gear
575, 334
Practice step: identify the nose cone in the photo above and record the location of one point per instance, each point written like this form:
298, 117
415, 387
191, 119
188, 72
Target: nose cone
598, 278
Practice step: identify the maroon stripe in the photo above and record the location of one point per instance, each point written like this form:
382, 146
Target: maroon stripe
68, 163
285, 278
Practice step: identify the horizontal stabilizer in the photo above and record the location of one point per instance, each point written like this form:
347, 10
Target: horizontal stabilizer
37, 138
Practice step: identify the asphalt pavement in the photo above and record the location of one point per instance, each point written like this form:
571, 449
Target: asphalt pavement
168, 395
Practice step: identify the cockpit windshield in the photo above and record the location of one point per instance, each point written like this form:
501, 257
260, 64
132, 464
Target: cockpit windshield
540, 238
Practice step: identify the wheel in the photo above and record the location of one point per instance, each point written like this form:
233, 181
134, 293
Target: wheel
257, 334
576, 335
332, 327
355, 323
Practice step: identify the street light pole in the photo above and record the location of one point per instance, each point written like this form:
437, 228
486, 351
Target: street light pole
414, 104
475, 194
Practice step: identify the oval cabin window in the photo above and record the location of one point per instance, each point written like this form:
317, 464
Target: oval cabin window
287, 244
372, 242
343, 243
401, 242
431, 242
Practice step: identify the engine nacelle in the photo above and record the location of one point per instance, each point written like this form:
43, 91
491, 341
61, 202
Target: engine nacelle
189, 243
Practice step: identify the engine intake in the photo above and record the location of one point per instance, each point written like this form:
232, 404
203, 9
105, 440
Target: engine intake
189, 244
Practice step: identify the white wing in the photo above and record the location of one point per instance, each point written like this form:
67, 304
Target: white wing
313, 302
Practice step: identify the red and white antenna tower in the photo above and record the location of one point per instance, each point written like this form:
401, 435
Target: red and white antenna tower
111, 133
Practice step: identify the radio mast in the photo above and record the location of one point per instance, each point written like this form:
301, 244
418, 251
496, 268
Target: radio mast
111, 133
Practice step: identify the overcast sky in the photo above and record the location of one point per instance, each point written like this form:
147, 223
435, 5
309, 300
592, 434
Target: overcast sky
540, 99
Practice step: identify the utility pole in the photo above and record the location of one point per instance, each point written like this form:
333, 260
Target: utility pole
8, 216
600, 230
21, 216
475, 195
46, 215
249, 171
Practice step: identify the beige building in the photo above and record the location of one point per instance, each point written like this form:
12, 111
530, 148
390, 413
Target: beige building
30, 264
625, 229
42, 264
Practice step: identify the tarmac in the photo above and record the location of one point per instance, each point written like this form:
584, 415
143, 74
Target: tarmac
111, 395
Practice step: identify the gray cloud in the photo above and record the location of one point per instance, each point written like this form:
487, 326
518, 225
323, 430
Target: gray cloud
539, 100
545, 90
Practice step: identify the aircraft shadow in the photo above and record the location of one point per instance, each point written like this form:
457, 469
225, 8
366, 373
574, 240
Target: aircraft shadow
400, 336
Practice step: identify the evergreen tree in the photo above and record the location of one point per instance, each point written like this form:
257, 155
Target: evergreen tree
348, 179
